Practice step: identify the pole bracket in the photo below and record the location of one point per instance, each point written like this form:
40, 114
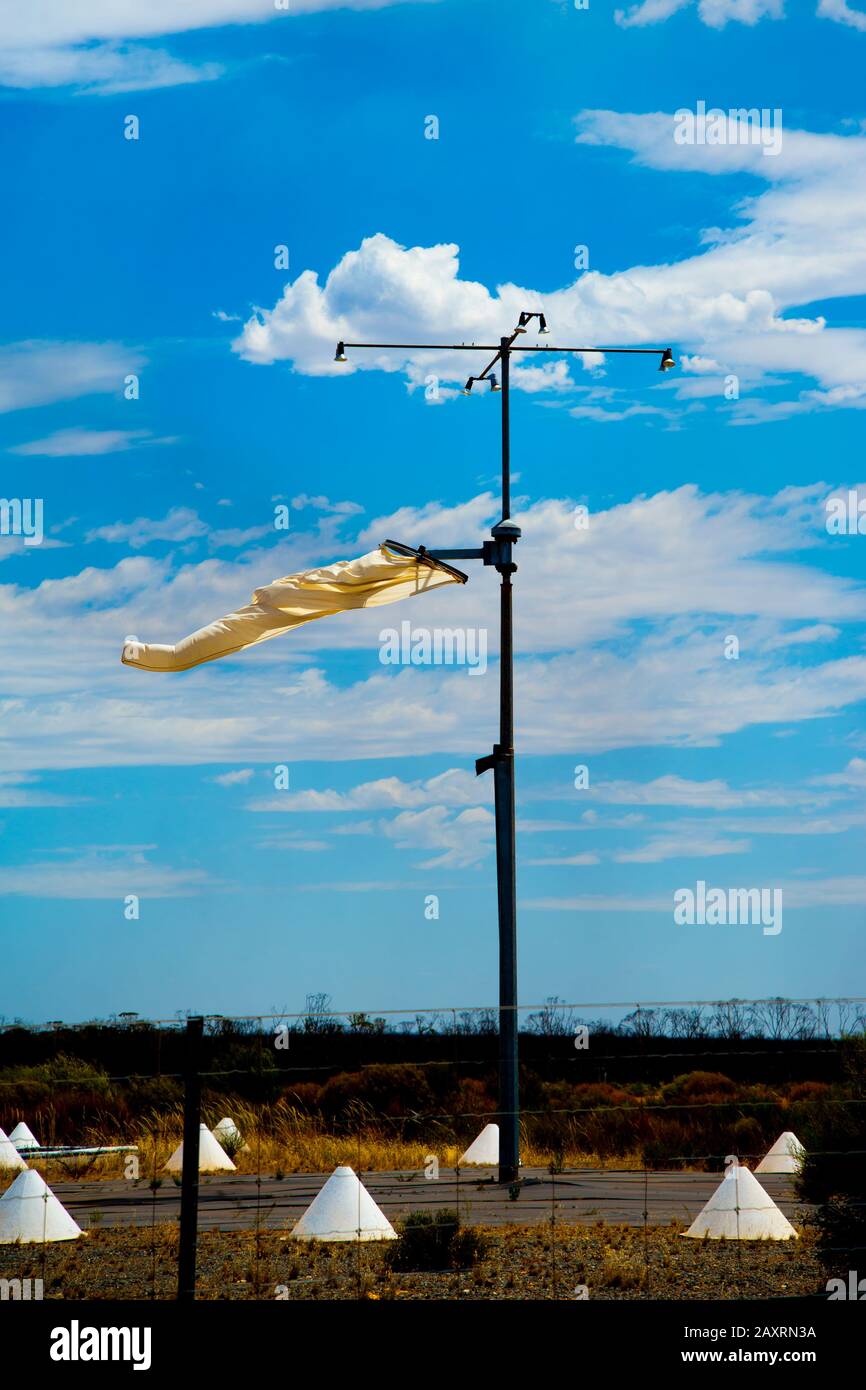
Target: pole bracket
497, 758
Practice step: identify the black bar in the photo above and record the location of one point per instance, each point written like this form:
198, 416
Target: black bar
189, 1177
490, 347
476, 554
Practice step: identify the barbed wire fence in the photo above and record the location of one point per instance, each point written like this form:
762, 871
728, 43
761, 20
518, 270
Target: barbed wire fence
607, 1223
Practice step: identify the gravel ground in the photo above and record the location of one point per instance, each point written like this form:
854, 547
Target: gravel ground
613, 1262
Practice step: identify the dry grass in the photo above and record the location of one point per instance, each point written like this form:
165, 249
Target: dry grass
284, 1139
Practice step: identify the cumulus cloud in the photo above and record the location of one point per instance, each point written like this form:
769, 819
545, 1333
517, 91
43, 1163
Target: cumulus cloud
730, 307
462, 840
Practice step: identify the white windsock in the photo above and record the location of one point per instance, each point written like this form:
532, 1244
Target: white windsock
30, 1212
343, 1210
212, 1157
9, 1155
228, 1130
785, 1156
740, 1209
484, 1150
23, 1138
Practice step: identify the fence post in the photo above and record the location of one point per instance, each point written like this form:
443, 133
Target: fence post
189, 1176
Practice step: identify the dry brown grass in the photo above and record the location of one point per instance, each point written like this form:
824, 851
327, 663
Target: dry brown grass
282, 1138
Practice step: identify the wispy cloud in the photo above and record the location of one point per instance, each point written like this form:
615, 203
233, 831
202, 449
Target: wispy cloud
79, 443
38, 372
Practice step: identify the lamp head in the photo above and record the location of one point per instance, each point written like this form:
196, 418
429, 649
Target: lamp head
494, 384
542, 324
340, 355
467, 389
667, 361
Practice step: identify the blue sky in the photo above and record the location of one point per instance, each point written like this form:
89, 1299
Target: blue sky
707, 514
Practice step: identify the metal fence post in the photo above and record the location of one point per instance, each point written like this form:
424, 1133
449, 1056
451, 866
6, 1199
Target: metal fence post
189, 1176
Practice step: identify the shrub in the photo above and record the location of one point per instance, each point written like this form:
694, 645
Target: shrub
701, 1086
436, 1240
382, 1090
833, 1172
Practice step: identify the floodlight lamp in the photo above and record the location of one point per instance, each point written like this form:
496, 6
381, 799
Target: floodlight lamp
494, 384
667, 361
467, 389
542, 324
340, 355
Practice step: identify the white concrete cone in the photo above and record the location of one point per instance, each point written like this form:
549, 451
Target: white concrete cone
10, 1158
740, 1209
212, 1157
23, 1138
228, 1130
785, 1156
30, 1212
343, 1210
484, 1150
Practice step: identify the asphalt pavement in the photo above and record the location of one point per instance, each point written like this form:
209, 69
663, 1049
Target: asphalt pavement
234, 1202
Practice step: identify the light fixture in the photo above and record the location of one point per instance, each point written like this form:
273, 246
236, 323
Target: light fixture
467, 389
542, 324
667, 361
494, 384
340, 355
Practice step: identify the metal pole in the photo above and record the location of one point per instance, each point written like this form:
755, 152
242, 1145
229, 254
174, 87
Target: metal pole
504, 345
189, 1176
506, 850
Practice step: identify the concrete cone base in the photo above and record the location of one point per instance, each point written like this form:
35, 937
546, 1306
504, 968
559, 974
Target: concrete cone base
740, 1209
343, 1210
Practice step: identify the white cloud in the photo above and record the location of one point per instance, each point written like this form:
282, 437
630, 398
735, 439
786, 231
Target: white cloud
571, 860
99, 69
38, 372
672, 790
80, 443
81, 21
843, 13
729, 307
100, 874
649, 12
452, 788
717, 13
82, 43
853, 775
16, 792
324, 504
681, 846
632, 614
464, 839
179, 524
238, 777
